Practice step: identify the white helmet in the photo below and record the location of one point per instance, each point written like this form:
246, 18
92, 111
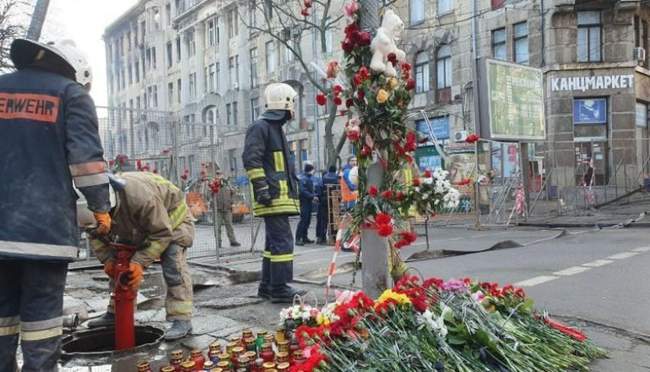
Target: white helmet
63, 56
280, 96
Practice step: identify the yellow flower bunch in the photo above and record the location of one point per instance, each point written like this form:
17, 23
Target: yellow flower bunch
390, 295
382, 96
322, 319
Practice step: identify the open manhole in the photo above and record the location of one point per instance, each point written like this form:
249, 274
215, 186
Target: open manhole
100, 342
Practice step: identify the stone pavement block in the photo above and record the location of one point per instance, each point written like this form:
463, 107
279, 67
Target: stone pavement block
198, 342
212, 324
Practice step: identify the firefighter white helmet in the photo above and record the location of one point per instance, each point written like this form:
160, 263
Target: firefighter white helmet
280, 96
62, 56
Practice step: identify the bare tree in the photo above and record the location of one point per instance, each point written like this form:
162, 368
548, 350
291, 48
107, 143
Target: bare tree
287, 22
10, 28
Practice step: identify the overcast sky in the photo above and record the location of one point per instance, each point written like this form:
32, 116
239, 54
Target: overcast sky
84, 22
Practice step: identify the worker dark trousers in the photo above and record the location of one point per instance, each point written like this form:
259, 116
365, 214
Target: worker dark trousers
321, 221
31, 303
277, 262
305, 219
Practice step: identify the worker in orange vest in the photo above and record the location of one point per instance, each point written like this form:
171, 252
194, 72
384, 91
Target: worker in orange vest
349, 193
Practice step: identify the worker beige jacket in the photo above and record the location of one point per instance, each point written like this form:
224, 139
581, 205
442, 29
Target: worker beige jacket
151, 213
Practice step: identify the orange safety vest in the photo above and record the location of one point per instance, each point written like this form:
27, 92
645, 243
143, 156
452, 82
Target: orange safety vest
347, 195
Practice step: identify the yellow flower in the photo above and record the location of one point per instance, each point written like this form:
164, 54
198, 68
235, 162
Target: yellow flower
390, 295
382, 96
392, 83
322, 319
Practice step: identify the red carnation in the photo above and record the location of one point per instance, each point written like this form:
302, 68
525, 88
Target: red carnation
366, 151
351, 29
388, 194
383, 218
427, 173
364, 73
384, 230
472, 138
349, 102
399, 196
304, 12
392, 58
353, 135
364, 38
410, 84
338, 101
321, 99
361, 94
347, 46
372, 190
337, 89
406, 66
411, 141
416, 182
409, 236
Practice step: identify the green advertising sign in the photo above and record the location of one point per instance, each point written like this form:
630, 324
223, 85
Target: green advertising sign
515, 97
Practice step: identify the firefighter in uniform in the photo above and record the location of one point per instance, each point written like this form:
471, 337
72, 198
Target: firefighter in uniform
48, 139
151, 214
274, 189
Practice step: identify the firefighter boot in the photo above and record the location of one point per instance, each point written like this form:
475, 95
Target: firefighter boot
285, 294
106, 320
178, 330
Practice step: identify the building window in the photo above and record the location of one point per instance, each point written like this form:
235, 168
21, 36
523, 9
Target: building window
178, 90
253, 59
211, 78
168, 13
499, 44
270, 57
178, 49
130, 74
641, 115
192, 82
155, 96
443, 67
589, 36
210, 31
232, 158
170, 55
641, 39
233, 71
234, 114
205, 80
252, 15
170, 92
217, 31
416, 11
228, 114
153, 57
445, 6
421, 72
233, 27
137, 71
329, 41
255, 108
216, 77
191, 43
520, 42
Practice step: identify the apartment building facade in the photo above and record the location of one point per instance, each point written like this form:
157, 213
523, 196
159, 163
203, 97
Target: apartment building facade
595, 65
204, 71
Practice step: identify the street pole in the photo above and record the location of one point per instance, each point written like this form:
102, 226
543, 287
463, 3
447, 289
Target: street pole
374, 248
38, 19
477, 109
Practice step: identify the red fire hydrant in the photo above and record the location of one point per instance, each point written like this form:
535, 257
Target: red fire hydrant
123, 297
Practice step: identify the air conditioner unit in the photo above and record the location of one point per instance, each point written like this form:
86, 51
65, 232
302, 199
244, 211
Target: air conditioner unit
639, 55
461, 136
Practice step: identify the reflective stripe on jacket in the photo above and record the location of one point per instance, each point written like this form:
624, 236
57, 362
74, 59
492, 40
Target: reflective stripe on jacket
151, 213
266, 159
49, 137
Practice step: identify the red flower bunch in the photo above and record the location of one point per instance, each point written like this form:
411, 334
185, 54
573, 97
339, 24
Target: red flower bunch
316, 359
392, 58
383, 224
349, 102
372, 191
567, 330
366, 151
410, 84
321, 99
399, 196
492, 289
388, 194
472, 138
416, 182
433, 282
362, 75
410, 286
354, 37
350, 313
406, 71
215, 185
406, 238
304, 12
411, 141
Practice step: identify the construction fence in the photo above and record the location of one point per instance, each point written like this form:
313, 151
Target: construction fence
560, 178
188, 152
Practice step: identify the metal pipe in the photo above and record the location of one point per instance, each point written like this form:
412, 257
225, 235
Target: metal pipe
38, 19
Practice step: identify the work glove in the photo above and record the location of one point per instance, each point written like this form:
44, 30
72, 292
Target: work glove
263, 197
136, 273
109, 268
103, 223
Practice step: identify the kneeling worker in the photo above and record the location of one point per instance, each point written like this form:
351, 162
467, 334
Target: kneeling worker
151, 213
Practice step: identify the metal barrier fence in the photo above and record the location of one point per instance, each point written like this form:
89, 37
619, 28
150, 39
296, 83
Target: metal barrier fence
188, 153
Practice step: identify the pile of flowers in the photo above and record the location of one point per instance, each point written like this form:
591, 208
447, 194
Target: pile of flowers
433, 325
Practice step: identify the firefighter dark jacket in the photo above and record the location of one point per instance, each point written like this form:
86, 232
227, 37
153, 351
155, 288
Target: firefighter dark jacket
48, 136
267, 163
